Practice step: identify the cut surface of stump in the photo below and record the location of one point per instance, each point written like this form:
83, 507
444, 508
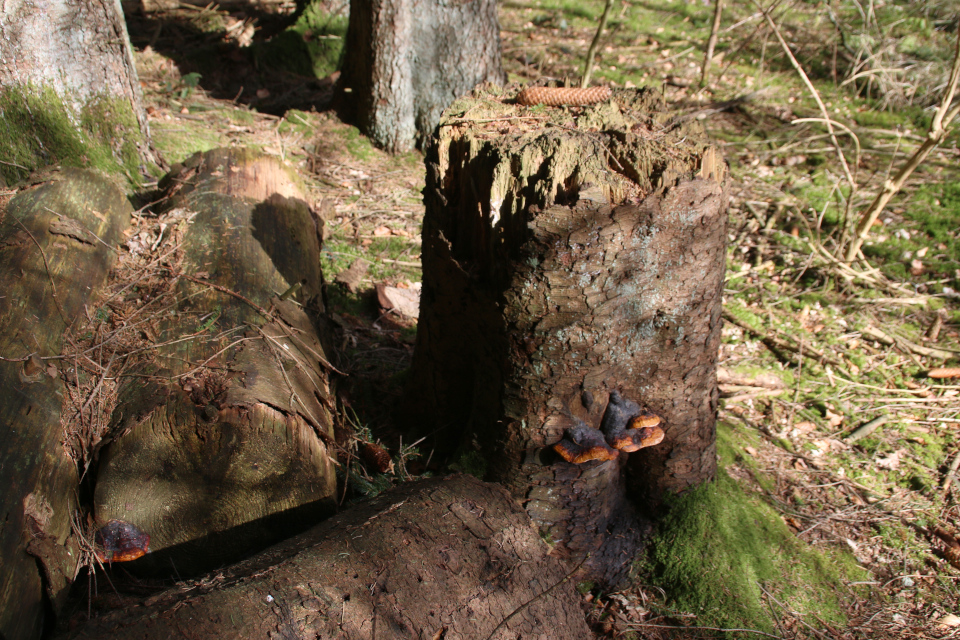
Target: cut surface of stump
224, 445
449, 558
55, 252
571, 254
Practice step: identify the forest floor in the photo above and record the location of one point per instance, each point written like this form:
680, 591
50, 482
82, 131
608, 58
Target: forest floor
829, 413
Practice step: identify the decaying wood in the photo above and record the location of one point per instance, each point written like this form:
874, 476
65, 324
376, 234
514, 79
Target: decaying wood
873, 333
55, 252
567, 256
445, 558
225, 445
765, 379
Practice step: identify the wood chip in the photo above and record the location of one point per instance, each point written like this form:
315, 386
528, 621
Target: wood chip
405, 302
351, 277
764, 379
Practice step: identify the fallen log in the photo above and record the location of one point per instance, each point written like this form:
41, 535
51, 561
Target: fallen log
223, 444
572, 269
56, 248
441, 558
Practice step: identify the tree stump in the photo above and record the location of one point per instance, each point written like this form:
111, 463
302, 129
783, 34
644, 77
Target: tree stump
408, 59
224, 446
570, 253
446, 558
55, 253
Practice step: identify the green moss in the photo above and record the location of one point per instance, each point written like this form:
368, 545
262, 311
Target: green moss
718, 548
357, 144
745, 316
38, 129
179, 139
323, 34
471, 462
313, 46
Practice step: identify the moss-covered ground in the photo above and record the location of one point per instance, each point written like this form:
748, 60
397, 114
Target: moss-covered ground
725, 555
806, 532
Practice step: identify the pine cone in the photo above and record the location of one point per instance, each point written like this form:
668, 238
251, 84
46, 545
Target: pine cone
375, 458
557, 96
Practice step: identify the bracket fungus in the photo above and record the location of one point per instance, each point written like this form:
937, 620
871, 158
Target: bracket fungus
624, 427
119, 541
583, 444
629, 428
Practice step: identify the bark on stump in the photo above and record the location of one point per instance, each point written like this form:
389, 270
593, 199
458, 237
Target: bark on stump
442, 558
409, 59
226, 447
55, 252
570, 253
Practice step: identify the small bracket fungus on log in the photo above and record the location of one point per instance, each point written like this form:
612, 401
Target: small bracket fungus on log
119, 541
573, 253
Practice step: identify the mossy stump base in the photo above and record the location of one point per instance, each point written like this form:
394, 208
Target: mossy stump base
55, 253
569, 252
225, 447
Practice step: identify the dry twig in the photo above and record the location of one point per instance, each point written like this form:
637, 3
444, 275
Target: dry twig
938, 130
592, 51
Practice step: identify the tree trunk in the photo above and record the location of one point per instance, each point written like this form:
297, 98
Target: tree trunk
569, 255
55, 252
409, 59
449, 558
70, 91
223, 446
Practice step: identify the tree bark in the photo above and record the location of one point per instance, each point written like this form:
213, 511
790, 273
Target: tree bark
449, 558
80, 49
568, 255
409, 59
223, 446
55, 252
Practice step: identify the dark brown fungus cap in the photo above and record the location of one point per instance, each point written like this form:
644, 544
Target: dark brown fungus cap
629, 428
583, 444
119, 541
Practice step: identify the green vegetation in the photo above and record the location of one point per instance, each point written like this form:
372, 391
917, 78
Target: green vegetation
38, 129
313, 46
471, 462
179, 139
724, 554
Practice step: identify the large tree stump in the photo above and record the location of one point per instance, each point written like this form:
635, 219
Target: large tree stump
55, 252
569, 254
225, 445
408, 59
450, 558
